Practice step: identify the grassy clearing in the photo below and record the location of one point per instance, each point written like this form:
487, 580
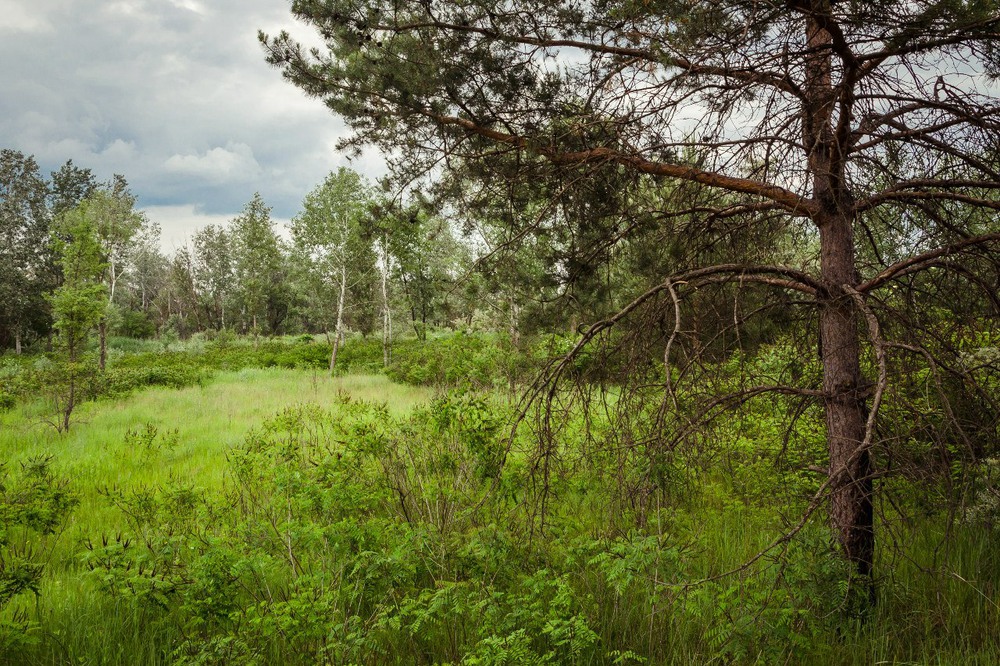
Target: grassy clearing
195, 427
402, 557
208, 419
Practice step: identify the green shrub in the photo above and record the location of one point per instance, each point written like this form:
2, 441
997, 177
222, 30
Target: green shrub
461, 360
360, 355
122, 381
134, 324
34, 504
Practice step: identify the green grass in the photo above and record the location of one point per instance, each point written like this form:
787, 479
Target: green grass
208, 419
938, 606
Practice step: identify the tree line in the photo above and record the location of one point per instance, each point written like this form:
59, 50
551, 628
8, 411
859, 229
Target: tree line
351, 259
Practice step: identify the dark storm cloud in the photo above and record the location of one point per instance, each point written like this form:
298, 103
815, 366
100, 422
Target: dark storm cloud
174, 94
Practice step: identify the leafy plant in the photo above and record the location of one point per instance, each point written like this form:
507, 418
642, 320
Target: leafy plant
34, 505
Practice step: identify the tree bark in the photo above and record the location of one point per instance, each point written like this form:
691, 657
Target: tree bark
851, 511
102, 333
850, 471
386, 313
340, 319
114, 281
70, 403
17, 341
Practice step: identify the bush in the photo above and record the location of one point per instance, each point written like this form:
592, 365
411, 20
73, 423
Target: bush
461, 360
350, 537
134, 324
122, 381
33, 503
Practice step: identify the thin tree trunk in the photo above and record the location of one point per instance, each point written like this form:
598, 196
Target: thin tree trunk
102, 327
70, 404
340, 319
71, 357
515, 331
102, 334
333, 351
17, 341
515, 340
386, 313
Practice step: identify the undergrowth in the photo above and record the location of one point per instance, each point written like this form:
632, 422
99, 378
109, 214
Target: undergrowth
349, 531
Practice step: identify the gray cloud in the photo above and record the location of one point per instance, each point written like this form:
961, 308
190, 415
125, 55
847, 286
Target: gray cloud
174, 94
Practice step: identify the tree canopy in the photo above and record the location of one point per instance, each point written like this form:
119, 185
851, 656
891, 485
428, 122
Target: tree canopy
25, 257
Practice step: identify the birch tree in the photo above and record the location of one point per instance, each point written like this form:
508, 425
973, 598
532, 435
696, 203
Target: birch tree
329, 233
256, 253
214, 271
116, 224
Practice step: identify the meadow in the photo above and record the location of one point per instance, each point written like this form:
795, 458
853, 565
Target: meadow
276, 515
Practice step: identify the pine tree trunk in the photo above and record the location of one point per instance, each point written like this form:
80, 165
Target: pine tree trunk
850, 472
851, 511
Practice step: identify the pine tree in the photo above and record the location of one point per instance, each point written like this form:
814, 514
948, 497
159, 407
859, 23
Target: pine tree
857, 122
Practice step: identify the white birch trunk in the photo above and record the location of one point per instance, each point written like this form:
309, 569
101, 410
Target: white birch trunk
386, 313
338, 330
515, 330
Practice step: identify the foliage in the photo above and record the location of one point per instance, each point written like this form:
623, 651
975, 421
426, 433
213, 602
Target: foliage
78, 305
459, 359
257, 267
733, 124
34, 505
354, 533
26, 266
134, 324
352, 536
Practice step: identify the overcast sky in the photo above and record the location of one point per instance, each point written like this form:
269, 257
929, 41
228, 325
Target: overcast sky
173, 94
